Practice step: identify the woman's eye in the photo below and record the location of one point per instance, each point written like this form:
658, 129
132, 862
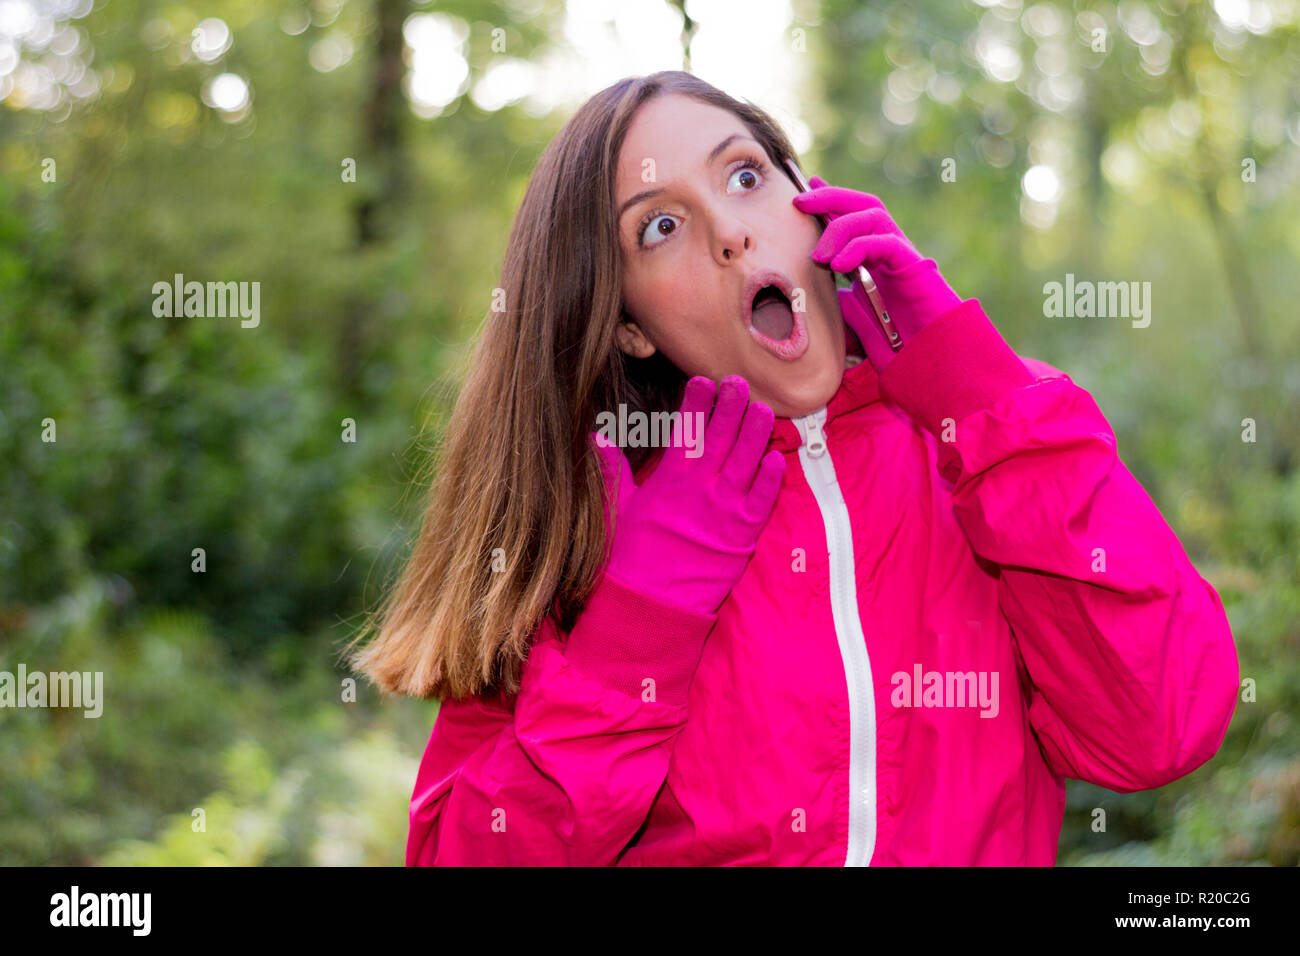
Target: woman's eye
659, 224
749, 178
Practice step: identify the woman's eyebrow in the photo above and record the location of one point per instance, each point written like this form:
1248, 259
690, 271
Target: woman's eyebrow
713, 155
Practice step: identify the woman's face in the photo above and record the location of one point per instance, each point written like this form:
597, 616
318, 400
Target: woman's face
690, 249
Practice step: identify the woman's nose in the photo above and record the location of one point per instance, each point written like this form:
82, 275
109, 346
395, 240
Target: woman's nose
730, 243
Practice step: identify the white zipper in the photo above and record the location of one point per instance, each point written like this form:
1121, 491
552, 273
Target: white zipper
819, 470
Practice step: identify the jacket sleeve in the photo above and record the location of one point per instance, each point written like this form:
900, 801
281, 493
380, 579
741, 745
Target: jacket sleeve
1129, 656
565, 771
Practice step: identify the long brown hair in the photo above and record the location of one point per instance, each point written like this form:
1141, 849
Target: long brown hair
515, 469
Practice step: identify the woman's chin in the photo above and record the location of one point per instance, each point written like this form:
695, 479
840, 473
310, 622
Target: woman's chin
802, 390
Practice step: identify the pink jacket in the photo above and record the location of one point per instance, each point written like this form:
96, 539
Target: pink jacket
962, 597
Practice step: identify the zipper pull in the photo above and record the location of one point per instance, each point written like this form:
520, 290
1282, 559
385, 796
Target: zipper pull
816, 442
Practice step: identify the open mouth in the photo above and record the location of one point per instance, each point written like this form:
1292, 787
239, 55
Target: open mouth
771, 313
771, 317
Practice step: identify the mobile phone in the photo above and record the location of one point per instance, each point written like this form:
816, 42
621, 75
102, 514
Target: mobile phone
864, 277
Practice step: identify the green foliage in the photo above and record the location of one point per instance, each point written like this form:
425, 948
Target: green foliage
285, 771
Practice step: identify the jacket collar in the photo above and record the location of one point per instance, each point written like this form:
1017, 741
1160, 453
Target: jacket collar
860, 385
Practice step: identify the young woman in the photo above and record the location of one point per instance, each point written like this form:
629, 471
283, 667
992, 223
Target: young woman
874, 613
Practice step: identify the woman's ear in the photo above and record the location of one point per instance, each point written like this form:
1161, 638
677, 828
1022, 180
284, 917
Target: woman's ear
632, 340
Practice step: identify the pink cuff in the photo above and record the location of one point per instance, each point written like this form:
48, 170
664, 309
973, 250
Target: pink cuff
955, 365
624, 637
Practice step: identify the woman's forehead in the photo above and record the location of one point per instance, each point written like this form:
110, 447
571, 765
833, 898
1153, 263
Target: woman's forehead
675, 137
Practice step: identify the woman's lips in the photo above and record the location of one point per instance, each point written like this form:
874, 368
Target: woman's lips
796, 343
787, 349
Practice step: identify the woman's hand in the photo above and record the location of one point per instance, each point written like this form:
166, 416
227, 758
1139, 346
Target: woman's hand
861, 232
686, 534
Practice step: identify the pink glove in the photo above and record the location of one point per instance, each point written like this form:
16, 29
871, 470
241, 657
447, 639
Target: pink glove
861, 232
686, 534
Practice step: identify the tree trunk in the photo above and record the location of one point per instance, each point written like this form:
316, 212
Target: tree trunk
379, 167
